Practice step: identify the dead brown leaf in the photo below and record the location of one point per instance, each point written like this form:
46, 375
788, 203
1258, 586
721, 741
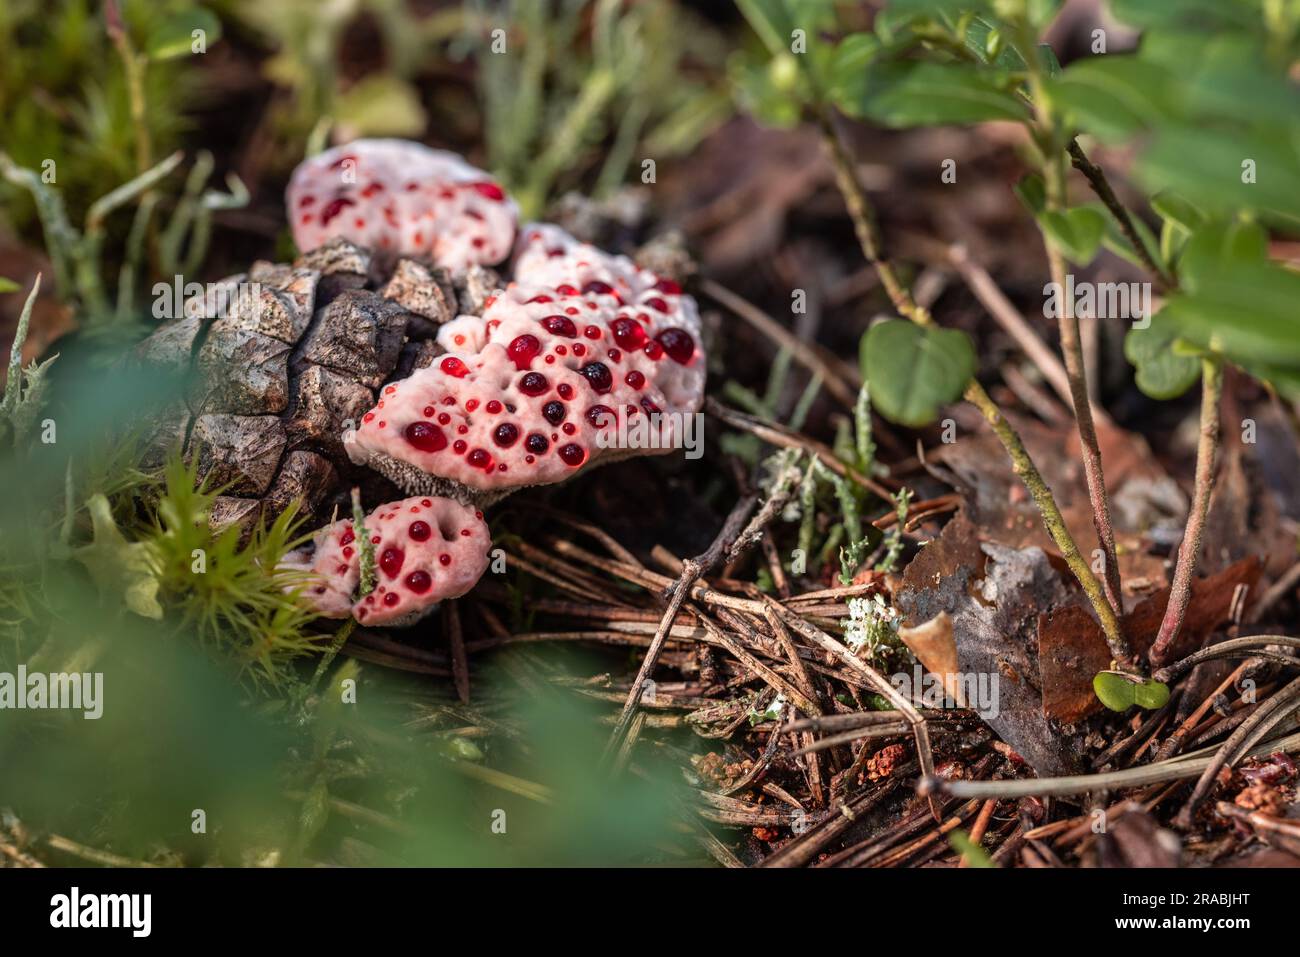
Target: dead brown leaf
1072, 649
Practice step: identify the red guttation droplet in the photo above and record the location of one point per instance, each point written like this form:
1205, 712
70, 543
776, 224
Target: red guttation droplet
490, 190
480, 459
597, 374
669, 286
533, 383
505, 435
536, 443
523, 349
420, 531
600, 416
390, 560
454, 367
678, 344
560, 326
392, 598
334, 207
634, 379
553, 412
628, 333
425, 436
572, 454
419, 581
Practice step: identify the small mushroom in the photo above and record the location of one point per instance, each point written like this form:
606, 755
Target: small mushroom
582, 351
330, 567
402, 198
426, 549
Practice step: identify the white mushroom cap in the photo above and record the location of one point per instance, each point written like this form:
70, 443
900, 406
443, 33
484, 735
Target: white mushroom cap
543, 384
402, 197
427, 549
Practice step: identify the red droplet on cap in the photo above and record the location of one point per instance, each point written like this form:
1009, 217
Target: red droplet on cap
425, 436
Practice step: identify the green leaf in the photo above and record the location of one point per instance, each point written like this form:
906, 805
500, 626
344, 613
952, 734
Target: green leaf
770, 19
1076, 232
918, 93
1176, 209
1238, 302
381, 105
1221, 246
1205, 15
848, 61
1247, 312
1150, 695
1119, 692
1161, 372
1115, 96
912, 371
1209, 161
8, 285
175, 36
975, 855
1032, 192
121, 569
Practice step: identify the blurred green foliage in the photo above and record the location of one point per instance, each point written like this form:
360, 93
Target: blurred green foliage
65, 97
569, 91
106, 569
305, 44
568, 85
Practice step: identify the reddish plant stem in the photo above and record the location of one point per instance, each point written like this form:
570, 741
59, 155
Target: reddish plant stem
1188, 552
1091, 448
1072, 348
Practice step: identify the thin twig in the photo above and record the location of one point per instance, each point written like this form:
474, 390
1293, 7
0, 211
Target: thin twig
459, 660
1187, 766
1283, 833
799, 350
92, 854
1247, 646
693, 569
1101, 186
1071, 346
1180, 592
1266, 717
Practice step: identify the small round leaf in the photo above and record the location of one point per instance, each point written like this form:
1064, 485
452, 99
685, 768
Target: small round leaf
913, 370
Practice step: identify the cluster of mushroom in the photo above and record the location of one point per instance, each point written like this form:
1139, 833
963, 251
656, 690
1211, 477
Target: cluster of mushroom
535, 390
